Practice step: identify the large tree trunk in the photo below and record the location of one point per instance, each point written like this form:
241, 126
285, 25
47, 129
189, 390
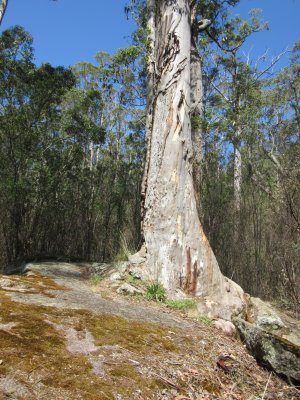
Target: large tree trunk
3, 6
178, 253
196, 108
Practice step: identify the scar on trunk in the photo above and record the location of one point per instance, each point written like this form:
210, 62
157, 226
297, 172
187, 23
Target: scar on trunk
193, 285
188, 269
191, 274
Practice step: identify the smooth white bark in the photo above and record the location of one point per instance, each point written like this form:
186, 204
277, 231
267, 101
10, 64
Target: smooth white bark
178, 253
237, 178
196, 107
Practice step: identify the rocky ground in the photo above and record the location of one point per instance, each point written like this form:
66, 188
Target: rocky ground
68, 334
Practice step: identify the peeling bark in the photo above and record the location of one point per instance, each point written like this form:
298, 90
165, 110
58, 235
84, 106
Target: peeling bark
151, 7
178, 253
237, 178
196, 107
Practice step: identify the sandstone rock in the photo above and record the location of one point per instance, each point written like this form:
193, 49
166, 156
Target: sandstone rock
29, 273
121, 266
136, 273
136, 259
225, 326
6, 283
128, 289
272, 337
115, 276
143, 251
101, 268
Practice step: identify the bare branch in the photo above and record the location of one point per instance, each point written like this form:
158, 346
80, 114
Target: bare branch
274, 159
273, 62
222, 94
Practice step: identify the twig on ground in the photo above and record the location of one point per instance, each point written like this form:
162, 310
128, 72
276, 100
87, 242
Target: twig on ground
267, 384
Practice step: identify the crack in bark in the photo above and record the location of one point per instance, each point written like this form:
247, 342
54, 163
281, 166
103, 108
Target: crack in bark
190, 284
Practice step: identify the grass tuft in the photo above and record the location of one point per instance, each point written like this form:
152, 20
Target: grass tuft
95, 279
205, 319
182, 304
124, 250
156, 292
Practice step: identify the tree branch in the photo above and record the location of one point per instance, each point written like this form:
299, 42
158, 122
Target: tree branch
274, 61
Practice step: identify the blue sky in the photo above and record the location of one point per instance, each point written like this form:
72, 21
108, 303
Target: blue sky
68, 31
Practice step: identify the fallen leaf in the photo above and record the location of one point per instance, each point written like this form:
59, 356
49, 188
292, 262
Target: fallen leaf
227, 363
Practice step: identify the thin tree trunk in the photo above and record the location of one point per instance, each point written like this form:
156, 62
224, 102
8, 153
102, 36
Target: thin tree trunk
237, 172
178, 253
3, 6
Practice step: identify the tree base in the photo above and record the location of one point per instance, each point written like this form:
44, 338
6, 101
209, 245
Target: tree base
223, 299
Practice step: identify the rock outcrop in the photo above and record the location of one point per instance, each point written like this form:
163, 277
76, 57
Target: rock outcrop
272, 337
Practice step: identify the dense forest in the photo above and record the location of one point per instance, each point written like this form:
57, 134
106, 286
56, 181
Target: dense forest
72, 144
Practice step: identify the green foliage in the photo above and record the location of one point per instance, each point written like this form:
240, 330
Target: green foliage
196, 122
156, 292
132, 280
70, 157
205, 320
95, 279
182, 304
124, 250
126, 55
257, 116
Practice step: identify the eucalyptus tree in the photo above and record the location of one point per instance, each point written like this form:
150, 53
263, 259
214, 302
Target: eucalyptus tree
279, 176
207, 19
178, 253
237, 90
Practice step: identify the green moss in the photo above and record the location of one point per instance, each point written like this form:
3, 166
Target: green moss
133, 335
35, 349
34, 284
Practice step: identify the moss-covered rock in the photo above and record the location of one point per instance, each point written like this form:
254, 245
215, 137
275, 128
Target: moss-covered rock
272, 337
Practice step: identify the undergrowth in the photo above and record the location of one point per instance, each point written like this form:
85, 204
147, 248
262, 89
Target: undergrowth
156, 292
124, 250
182, 304
95, 279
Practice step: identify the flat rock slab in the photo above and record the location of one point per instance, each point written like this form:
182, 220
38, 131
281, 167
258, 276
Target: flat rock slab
81, 296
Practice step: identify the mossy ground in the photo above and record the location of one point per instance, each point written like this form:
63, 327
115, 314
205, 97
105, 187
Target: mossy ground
131, 360
35, 349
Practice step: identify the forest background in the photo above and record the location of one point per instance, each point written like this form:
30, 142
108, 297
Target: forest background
72, 138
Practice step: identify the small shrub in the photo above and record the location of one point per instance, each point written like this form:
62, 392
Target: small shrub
95, 279
182, 304
156, 292
205, 319
132, 280
124, 250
